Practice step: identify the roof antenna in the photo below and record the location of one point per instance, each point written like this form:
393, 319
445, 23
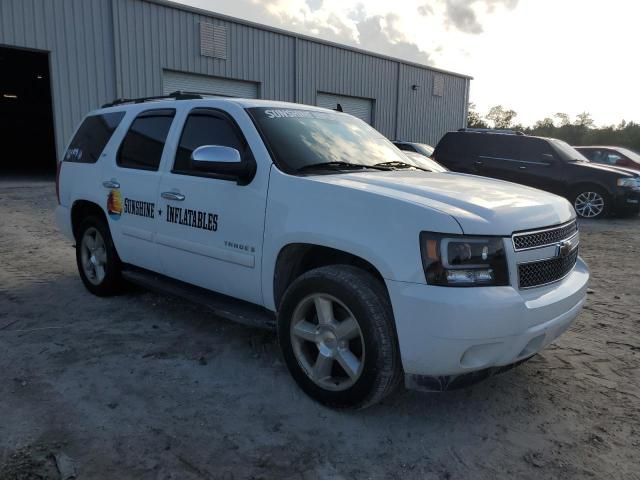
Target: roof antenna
339, 108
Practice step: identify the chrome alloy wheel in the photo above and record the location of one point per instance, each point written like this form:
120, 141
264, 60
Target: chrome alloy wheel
589, 204
327, 342
93, 254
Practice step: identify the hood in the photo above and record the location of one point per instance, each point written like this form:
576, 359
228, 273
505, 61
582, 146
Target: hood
628, 172
482, 206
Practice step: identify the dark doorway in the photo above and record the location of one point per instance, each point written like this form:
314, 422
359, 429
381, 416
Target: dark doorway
26, 118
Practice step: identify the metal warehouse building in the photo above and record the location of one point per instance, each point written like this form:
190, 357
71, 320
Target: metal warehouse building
60, 59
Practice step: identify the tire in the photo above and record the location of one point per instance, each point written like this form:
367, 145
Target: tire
353, 294
591, 202
98, 262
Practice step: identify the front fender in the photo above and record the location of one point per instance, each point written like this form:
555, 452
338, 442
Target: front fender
365, 222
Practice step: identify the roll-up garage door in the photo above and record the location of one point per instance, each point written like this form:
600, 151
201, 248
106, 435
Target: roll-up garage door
189, 82
356, 106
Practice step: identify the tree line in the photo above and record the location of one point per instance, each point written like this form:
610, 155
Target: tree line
578, 131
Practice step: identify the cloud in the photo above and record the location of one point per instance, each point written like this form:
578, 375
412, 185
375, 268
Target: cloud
462, 14
314, 4
359, 24
382, 34
425, 10
353, 25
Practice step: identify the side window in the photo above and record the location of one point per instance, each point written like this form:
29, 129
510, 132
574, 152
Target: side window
535, 150
143, 144
206, 127
613, 158
590, 154
597, 156
457, 146
499, 146
92, 136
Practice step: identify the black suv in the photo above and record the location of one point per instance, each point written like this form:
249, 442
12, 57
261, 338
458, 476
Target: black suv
545, 163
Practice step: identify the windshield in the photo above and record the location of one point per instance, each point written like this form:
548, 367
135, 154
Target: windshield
424, 149
630, 154
567, 152
423, 162
300, 138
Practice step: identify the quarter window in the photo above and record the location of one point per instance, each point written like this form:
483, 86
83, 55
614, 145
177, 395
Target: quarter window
92, 136
143, 144
205, 127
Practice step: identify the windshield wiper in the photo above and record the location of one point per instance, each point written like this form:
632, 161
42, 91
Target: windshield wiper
339, 166
399, 164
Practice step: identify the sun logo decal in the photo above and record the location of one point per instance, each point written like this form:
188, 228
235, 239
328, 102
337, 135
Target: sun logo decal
114, 204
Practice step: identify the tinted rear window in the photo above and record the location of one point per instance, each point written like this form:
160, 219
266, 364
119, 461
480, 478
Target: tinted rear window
92, 136
455, 144
459, 145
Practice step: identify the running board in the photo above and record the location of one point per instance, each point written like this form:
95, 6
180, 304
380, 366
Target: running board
222, 305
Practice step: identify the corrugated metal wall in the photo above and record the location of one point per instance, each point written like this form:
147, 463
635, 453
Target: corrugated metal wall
192, 82
152, 37
324, 68
101, 50
362, 108
78, 36
424, 116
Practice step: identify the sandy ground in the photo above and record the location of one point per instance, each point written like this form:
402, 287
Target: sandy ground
144, 387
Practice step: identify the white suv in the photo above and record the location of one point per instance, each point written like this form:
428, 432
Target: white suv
308, 219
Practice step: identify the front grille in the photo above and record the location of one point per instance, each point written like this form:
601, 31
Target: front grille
540, 238
542, 272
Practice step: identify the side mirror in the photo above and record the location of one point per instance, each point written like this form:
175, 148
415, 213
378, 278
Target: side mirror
223, 161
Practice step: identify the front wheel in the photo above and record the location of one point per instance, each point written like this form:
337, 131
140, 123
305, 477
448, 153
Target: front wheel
591, 202
335, 328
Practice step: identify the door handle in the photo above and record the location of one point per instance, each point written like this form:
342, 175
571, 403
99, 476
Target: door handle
173, 196
110, 184
522, 167
478, 163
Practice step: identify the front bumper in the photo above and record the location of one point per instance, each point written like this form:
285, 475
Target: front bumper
446, 331
626, 200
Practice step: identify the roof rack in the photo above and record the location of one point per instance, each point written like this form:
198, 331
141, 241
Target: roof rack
177, 95
503, 131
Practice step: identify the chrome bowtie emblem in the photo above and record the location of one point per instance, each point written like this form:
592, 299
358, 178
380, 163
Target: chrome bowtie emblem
564, 248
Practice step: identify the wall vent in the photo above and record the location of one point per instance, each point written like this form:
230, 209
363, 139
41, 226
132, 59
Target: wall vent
438, 85
213, 40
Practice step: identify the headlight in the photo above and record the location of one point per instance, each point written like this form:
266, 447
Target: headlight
463, 261
628, 182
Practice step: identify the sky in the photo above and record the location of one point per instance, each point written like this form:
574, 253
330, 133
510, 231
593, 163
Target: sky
537, 57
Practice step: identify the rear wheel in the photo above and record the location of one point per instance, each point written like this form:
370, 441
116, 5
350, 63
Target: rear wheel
97, 259
591, 202
336, 332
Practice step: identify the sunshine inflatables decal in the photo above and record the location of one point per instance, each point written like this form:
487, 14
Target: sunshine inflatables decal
116, 206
